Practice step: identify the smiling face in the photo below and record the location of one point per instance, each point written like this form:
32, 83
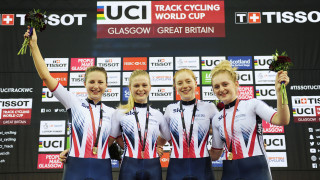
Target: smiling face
185, 85
224, 87
140, 88
96, 85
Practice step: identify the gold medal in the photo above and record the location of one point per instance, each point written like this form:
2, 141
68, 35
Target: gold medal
94, 150
230, 155
142, 154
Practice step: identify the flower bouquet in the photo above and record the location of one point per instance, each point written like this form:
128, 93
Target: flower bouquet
281, 62
218, 104
33, 19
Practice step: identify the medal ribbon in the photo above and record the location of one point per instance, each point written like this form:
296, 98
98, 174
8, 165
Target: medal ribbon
192, 122
232, 126
96, 137
139, 128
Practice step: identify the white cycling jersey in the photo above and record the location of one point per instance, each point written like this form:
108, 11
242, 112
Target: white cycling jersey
81, 137
198, 144
247, 140
127, 123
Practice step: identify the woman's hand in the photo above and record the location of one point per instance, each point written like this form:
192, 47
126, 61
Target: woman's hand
63, 156
33, 38
282, 76
160, 150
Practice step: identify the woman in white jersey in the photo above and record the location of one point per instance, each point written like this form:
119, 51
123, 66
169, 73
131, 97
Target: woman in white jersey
140, 126
90, 119
189, 121
238, 127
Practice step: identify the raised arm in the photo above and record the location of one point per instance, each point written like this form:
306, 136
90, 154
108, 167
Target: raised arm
39, 63
282, 117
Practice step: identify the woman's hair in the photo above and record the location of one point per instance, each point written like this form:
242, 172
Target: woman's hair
225, 66
127, 107
183, 70
95, 68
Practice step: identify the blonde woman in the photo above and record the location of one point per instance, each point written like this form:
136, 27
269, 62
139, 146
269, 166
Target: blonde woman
238, 127
140, 125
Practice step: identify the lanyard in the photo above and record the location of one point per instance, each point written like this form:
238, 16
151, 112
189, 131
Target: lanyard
139, 128
192, 122
232, 126
96, 137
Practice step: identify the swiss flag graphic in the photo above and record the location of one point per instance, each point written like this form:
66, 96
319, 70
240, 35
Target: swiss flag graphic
254, 17
7, 19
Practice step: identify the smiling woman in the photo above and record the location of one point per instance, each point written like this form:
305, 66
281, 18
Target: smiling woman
90, 121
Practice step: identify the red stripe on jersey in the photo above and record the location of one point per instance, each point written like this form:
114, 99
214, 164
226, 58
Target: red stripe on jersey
204, 145
89, 146
155, 151
272, 117
75, 147
128, 146
104, 152
176, 153
237, 149
253, 139
192, 153
56, 87
146, 151
139, 151
185, 147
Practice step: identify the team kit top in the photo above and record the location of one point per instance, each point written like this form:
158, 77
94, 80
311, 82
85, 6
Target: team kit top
246, 138
183, 146
82, 133
126, 122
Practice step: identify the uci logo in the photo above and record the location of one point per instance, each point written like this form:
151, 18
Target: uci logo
138, 12
267, 92
309, 111
274, 142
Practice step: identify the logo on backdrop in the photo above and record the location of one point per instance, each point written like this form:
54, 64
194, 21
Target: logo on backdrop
241, 62
49, 161
209, 62
53, 19
266, 92
306, 108
125, 93
286, 17
275, 142
160, 63
207, 93
111, 94
109, 63
304, 87
61, 77
245, 77
277, 159
52, 127
125, 78
187, 62
245, 92
265, 77
113, 78
133, 63
161, 78
270, 128
57, 64
161, 94
206, 78
47, 96
159, 19
77, 78
262, 62
15, 111
81, 64
51, 144
16, 90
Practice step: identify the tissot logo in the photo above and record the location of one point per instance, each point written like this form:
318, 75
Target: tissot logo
77, 79
305, 100
277, 17
161, 93
110, 63
57, 64
160, 63
111, 94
